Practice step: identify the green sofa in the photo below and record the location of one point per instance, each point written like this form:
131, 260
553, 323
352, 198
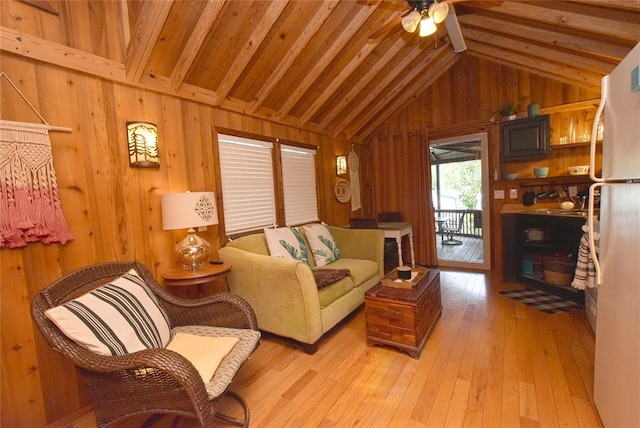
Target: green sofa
284, 294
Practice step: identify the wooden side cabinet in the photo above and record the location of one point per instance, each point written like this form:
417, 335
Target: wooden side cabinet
403, 318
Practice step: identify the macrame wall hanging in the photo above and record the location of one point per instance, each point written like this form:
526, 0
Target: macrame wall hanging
30, 209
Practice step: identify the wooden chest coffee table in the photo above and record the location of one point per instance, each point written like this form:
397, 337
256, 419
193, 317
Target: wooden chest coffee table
402, 314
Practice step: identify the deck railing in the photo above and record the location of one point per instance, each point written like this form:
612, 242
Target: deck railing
471, 225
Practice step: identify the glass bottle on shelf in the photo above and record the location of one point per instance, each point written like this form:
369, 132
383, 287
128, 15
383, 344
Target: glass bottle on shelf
572, 131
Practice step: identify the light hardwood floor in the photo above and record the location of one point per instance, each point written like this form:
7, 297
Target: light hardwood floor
490, 362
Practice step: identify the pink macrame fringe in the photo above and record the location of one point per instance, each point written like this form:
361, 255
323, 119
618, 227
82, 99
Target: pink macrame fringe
32, 220
30, 209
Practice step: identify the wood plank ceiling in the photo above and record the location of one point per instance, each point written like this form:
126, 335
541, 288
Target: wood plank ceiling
312, 64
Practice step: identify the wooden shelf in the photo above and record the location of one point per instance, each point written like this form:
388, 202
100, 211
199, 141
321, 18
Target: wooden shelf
570, 145
561, 179
547, 181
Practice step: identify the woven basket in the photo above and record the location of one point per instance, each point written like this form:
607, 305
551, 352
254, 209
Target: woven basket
557, 278
558, 270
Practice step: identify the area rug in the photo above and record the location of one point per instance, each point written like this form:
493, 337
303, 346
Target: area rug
541, 301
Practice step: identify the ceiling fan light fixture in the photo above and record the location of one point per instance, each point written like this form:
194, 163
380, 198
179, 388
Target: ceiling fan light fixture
427, 26
438, 11
411, 20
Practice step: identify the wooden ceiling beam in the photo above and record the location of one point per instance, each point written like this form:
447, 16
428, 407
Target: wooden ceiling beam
35, 48
195, 42
336, 82
411, 86
310, 30
561, 72
144, 38
618, 4
348, 98
250, 47
613, 51
570, 20
366, 99
329, 55
539, 51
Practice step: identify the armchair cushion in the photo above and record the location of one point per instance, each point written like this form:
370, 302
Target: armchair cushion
117, 318
204, 352
323, 245
248, 341
288, 243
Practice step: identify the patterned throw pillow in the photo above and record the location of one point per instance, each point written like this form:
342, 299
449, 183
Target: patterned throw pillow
117, 318
323, 245
287, 242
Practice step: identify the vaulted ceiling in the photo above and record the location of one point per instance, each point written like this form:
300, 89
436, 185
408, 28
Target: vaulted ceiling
342, 67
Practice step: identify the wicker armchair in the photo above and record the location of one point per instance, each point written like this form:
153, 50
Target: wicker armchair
152, 381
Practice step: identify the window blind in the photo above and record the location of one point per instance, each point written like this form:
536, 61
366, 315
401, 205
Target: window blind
246, 168
299, 185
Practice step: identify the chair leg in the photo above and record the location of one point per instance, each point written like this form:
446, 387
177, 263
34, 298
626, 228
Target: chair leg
231, 420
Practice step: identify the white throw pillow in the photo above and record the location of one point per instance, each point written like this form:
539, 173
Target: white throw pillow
323, 245
117, 318
204, 352
288, 243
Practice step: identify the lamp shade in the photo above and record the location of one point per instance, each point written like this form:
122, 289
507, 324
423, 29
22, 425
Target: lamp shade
189, 210
410, 21
427, 26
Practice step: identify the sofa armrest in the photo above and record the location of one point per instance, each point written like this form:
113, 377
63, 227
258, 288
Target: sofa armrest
282, 292
366, 244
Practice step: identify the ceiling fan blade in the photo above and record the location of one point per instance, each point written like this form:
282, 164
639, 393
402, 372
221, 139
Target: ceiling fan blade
454, 31
386, 28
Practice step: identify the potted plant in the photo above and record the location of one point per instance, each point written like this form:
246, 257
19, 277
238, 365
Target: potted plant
509, 110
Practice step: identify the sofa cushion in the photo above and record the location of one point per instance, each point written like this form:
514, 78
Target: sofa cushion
288, 243
117, 318
323, 245
329, 294
361, 270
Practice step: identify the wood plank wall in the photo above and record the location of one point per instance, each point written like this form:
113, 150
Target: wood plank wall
463, 101
113, 210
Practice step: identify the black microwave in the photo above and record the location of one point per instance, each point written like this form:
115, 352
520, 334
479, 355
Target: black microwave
526, 138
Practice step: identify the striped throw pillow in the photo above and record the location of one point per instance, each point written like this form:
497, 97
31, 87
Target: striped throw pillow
117, 318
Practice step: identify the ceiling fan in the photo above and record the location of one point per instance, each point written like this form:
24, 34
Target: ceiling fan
424, 16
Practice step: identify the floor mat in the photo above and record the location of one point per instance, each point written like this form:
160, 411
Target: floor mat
542, 301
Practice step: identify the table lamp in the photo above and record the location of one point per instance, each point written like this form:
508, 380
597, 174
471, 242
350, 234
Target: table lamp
188, 211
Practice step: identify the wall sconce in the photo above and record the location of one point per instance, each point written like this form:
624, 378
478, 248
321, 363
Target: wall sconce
142, 138
188, 211
341, 166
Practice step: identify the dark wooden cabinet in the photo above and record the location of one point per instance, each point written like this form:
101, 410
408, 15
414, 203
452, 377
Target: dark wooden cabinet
523, 258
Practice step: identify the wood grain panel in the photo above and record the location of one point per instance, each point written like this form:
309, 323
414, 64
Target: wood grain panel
466, 100
113, 211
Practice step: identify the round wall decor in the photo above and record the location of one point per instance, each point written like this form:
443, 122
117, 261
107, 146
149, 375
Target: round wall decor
342, 190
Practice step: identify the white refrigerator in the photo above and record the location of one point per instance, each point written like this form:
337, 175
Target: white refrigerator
617, 254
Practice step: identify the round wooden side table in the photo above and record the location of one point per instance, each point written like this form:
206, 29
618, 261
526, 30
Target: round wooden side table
185, 282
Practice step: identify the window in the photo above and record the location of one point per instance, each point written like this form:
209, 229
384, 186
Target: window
246, 167
299, 185
251, 198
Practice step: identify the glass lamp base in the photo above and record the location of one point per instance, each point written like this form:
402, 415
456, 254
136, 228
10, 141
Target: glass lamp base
193, 251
